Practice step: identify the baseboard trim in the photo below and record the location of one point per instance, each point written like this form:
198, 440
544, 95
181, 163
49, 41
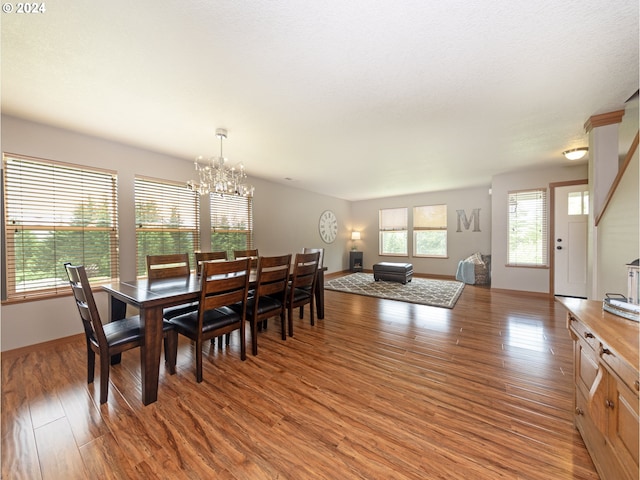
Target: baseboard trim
18, 352
524, 293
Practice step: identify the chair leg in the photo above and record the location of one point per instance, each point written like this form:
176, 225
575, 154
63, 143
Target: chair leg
243, 347
301, 311
220, 341
116, 359
228, 339
290, 319
254, 337
91, 364
198, 361
283, 327
171, 350
104, 378
311, 312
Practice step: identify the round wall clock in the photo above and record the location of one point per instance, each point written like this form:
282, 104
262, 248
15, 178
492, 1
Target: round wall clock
328, 226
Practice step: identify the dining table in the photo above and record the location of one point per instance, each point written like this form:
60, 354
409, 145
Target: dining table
151, 298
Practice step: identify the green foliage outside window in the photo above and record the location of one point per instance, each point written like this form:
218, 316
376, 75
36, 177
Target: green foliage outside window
394, 243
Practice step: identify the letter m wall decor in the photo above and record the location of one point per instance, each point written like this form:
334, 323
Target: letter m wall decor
463, 220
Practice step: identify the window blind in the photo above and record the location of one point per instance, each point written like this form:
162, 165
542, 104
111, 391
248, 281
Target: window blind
527, 229
55, 213
231, 223
167, 220
393, 219
430, 217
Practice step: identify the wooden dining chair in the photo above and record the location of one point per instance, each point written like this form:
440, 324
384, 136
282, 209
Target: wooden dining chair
112, 338
174, 265
251, 253
224, 285
302, 287
313, 250
269, 295
208, 257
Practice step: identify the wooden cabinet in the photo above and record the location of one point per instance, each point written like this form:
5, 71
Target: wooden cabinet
606, 387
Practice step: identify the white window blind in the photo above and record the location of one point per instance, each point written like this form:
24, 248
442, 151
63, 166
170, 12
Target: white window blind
393, 226
167, 220
55, 213
430, 231
527, 229
231, 223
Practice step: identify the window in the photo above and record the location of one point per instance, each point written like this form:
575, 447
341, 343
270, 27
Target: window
55, 213
430, 231
167, 220
231, 223
578, 203
393, 231
528, 228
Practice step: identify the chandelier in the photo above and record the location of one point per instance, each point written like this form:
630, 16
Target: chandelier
215, 176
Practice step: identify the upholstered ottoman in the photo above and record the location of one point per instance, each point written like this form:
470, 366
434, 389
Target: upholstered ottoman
393, 272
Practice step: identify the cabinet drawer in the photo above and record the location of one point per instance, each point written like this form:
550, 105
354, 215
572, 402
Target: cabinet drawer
622, 369
583, 333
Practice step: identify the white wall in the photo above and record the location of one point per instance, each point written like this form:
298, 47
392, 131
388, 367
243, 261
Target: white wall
286, 219
619, 234
460, 244
519, 278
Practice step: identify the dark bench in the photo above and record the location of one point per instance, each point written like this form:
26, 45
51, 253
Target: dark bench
393, 272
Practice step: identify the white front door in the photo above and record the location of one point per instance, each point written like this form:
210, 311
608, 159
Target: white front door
570, 242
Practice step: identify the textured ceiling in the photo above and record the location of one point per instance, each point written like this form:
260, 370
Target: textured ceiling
353, 99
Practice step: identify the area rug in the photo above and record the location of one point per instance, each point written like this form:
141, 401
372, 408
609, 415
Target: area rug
425, 291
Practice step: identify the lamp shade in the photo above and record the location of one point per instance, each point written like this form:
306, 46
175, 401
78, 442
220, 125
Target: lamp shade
575, 153
355, 235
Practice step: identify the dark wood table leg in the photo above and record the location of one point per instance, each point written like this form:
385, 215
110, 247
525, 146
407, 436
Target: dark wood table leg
320, 295
151, 320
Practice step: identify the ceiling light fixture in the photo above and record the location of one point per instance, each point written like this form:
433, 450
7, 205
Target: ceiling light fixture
215, 176
575, 153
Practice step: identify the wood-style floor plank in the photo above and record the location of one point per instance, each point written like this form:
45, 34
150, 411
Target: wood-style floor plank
378, 389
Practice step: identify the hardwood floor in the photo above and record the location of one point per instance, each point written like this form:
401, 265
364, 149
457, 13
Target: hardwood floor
378, 389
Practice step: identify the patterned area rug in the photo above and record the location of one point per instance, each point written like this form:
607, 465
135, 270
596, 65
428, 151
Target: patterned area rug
438, 293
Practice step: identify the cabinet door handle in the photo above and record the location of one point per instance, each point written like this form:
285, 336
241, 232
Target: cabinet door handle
609, 404
588, 335
605, 351
579, 411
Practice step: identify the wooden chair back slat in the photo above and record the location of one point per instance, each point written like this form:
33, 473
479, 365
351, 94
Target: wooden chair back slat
273, 275
251, 253
224, 283
168, 266
314, 250
208, 257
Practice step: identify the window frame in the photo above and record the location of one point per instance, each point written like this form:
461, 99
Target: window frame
541, 222
430, 224
43, 195
393, 226
175, 195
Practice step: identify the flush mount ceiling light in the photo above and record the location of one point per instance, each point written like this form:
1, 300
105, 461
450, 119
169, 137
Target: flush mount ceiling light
575, 153
215, 176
